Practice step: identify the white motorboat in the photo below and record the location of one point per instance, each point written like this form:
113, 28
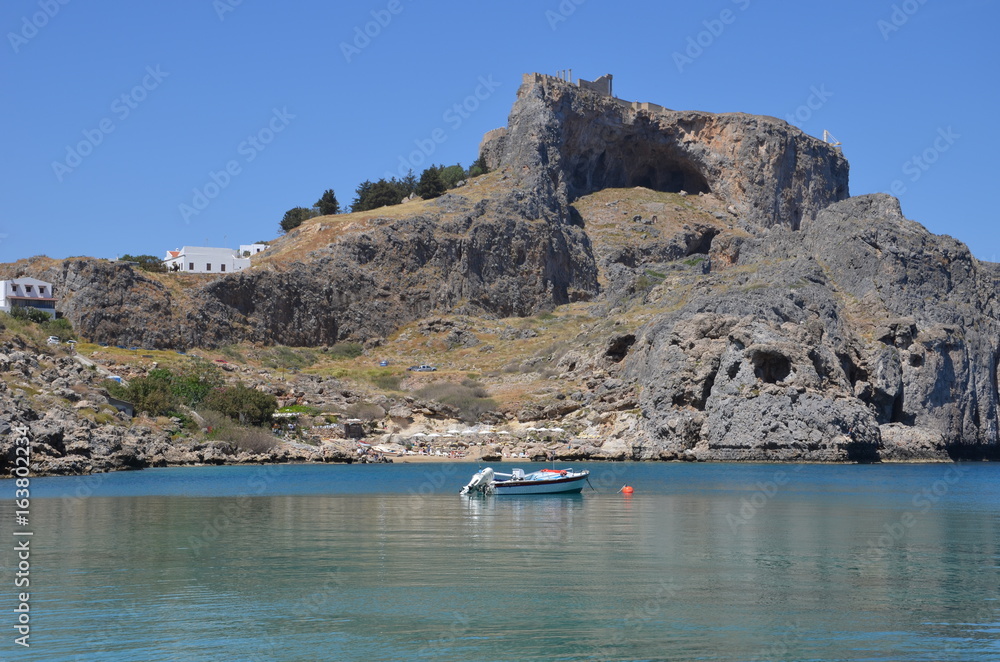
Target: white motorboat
544, 481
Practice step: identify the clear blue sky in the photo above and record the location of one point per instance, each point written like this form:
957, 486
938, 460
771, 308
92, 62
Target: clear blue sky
163, 94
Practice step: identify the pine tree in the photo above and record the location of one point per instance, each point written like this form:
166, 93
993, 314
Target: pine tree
409, 183
294, 218
430, 185
380, 194
327, 205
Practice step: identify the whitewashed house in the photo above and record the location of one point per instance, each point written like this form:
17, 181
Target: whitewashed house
246, 250
28, 293
203, 260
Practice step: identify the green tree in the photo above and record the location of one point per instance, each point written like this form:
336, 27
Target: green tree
150, 394
28, 314
195, 381
294, 218
327, 205
430, 185
58, 327
246, 405
361, 196
409, 183
452, 175
380, 194
145, 262
478, 167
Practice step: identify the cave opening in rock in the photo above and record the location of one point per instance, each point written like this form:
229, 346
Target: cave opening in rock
733, 370
619, 348
771, 367
652, 166
702, 245
899, 413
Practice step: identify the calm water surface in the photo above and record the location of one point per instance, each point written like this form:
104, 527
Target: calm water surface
703, 562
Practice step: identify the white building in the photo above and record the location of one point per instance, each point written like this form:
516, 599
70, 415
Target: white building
202, 260
29, 293
246, 250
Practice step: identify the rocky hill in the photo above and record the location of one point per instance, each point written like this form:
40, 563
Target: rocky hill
729, 300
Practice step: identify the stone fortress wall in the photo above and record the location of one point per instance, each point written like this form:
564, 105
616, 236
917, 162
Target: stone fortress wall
602, 86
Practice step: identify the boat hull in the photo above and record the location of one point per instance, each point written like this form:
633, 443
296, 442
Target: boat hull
569, 485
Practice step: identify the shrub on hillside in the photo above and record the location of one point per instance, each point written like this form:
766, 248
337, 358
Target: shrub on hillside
366, 411
286, 358
346, 350
161, 391
246, 405
145, 262
470, 398
58, 327
26, 314
223, 428
149, 394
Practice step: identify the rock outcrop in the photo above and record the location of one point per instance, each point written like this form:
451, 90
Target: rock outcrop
575, 142
765, 314
515, 252
58, 403
860, 337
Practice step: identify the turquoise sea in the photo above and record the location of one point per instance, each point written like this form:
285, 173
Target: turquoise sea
388, 562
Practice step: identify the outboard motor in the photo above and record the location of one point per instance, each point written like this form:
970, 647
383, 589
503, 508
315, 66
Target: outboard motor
481, 482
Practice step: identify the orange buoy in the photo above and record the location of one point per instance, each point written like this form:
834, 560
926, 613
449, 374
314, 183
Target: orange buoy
627, 489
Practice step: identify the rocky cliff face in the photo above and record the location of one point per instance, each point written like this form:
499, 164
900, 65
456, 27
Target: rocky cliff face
514, 251
860, 337
764, 314
575, 142
506, 257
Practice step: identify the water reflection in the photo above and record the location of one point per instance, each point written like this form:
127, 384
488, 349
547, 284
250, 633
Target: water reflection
680, 574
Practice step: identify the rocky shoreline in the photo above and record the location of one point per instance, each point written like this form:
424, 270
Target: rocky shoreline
714, 293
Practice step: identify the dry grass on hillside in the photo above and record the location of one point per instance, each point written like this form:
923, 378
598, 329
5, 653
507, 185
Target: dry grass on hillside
324, 230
